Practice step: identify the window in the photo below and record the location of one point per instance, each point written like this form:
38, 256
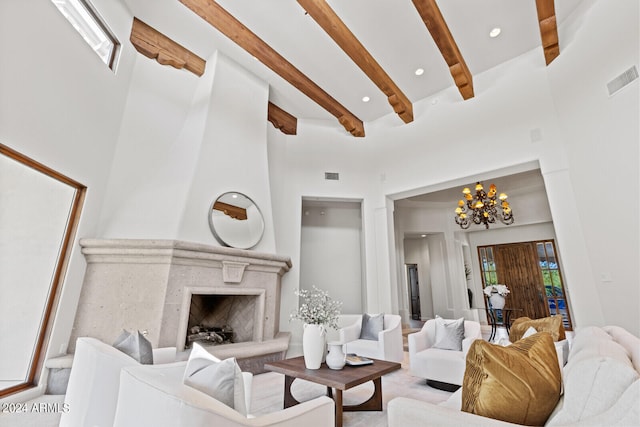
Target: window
488, 266
552, 279
86, 22
39, 213
489, 276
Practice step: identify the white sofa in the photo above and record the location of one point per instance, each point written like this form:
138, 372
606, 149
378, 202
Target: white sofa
389, 345
601, 388
434, 364
155, 396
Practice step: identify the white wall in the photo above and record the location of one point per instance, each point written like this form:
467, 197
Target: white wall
183, 144
392, 160
154, 145
296, 168
233, 155
62, 106
453, 140
601, 134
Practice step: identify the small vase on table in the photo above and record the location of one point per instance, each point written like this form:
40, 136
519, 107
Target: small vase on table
336, 358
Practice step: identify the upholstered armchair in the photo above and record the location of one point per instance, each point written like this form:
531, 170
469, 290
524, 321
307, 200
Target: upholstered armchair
384, 343
439, 366
92, 392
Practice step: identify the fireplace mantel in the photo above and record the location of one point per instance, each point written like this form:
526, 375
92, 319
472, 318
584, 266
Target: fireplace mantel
141, 251
146, 285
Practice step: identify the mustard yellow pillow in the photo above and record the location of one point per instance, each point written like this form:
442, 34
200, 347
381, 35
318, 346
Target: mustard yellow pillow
552, 324
519, 384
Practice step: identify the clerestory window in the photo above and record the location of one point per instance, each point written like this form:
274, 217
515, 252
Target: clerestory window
93, 30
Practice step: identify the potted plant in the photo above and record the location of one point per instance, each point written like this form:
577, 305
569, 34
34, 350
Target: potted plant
318, 311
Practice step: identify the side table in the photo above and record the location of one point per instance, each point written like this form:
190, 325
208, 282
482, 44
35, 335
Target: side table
493, 317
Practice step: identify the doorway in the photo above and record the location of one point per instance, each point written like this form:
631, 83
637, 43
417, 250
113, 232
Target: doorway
532, 273
332, 250
414, 291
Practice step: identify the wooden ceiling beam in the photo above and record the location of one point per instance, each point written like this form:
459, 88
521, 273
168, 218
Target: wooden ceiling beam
155, 45
437, 26
282, 120
331, 23
548, 29
224, 22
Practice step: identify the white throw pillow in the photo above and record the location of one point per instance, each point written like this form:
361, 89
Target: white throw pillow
449, 334
136, 346
530, 331
504, 342
220, 379
562, 348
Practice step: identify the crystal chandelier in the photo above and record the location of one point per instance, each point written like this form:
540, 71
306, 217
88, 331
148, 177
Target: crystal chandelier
484, 208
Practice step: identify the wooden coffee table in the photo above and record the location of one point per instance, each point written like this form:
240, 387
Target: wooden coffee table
340, 380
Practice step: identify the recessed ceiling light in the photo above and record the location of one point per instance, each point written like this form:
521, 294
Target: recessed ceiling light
495, 32
366, 99
419, 71
423, 235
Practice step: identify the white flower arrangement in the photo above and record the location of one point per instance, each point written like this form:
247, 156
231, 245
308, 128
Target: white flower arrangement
317, 308
499, 289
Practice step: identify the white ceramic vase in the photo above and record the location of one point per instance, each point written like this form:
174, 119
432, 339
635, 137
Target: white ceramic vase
314, 338
336, 357
497, 301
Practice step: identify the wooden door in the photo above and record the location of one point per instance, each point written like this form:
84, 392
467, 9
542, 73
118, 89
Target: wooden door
517, 267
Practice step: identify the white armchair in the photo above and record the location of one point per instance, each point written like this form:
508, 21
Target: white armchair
437, 365
92, 392
387, 347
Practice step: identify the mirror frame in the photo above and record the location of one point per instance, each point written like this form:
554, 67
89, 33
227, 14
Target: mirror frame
224, 241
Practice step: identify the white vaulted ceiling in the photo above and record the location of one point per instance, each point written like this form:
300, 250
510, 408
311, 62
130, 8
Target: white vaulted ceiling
392, 31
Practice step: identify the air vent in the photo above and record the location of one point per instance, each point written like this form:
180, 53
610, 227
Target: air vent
334, 176
622, 80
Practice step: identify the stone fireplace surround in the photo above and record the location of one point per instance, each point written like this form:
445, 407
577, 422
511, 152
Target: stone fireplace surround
148, 285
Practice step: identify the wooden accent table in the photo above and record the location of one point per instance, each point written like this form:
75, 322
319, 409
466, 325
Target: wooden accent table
340, 380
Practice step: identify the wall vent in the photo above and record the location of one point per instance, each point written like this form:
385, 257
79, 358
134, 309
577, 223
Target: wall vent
622, 80
335, 176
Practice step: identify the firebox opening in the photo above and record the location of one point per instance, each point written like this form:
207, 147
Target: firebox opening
220, 319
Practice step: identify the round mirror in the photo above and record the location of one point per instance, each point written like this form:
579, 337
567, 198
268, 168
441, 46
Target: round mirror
236, 221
